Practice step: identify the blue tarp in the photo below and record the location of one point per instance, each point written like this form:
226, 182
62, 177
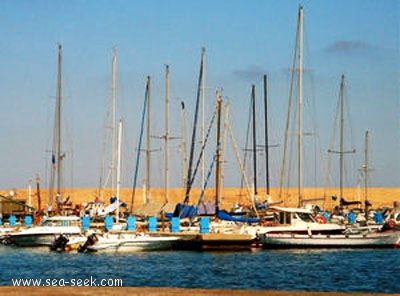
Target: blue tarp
223, 215
185, 211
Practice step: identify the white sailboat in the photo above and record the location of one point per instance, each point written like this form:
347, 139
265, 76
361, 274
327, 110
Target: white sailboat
366, 240
302, 229
295, 220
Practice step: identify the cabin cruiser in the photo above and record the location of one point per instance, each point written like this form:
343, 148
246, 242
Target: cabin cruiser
43, 235
294, 221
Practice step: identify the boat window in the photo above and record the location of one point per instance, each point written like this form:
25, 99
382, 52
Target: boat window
305, 217
284, 218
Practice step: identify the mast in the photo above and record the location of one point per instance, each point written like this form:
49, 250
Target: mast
341, 151
37, 180
253, 102
184, 152
110, 139
119, 169
203, 100
57, 156
148, 151
166, 133
113, 119
341, 135
366, 170
139, 148
218, 168
266, 135
300, 106
189, 180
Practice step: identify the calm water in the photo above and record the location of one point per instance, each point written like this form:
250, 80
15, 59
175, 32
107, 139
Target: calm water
310, 270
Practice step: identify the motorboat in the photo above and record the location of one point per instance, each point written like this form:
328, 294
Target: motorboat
293, 221
127, 242
44, 234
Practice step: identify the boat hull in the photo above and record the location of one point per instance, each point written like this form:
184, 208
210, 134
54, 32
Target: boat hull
131, 243
41, 235
370, 240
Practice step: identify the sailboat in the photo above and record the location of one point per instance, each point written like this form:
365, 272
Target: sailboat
56, 225
97, 209
126, 241
295, 219
302, 228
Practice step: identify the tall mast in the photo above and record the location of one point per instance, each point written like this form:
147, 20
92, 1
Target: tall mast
203, 100
119, 168
189, 180
113, 119
341, 151
300, 106
341, 156
139, 148
266, 135
253, 102
218, 168
166, 133
148, 146
57, 157
59, 114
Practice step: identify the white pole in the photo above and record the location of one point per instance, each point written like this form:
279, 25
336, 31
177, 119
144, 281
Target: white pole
300, 106
113, 118
119, 168
166, 133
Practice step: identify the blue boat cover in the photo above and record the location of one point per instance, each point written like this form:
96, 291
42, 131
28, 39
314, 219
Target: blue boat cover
185, 211
223, 215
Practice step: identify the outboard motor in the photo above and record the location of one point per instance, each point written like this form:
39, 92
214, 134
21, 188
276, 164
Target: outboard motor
60, 243
91, 240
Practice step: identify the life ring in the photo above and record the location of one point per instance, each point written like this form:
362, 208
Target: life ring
391, 224
320, 219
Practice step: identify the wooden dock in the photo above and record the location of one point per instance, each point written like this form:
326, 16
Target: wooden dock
212, 241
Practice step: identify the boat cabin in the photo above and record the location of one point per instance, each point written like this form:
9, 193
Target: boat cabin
289, 216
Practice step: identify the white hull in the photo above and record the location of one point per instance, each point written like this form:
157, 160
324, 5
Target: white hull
5, 231
131, 243
44, 235
299, 228
40, 236
370, 240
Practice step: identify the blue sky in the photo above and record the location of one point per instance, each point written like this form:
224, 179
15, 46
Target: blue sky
243, 41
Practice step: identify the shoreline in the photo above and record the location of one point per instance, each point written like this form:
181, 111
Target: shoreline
108, 291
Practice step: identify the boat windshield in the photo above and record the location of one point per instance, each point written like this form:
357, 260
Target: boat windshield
306, 217
60, 222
